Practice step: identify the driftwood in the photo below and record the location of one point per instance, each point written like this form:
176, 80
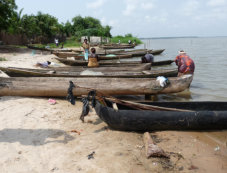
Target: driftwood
151, 149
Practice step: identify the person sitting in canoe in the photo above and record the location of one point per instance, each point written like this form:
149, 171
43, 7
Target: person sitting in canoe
86, 48
93, 59
185, 64
148, 58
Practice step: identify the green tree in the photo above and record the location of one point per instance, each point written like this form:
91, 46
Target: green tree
89, 26
15, 26
68, 29
48, 25
30, 27
7, 8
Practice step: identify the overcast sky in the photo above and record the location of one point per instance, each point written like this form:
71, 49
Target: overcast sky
142, 18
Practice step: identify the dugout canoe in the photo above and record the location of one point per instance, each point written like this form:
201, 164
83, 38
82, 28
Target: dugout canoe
142, 52
114, 57
57, 86
15, 71
111, 63
81, 56
20, 72
68, 54
117, 46
133, 52
126, 116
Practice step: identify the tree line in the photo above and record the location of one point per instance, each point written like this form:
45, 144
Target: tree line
45, 25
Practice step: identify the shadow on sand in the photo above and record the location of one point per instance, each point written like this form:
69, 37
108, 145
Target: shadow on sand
35, 137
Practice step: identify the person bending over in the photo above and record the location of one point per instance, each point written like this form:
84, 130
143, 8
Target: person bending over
148, 58
185, 64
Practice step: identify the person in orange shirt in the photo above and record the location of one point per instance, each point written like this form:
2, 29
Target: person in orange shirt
185, 64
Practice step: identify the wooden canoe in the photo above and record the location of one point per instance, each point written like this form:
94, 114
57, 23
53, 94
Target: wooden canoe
169, 116
81, 56
12, 71
20, 72
57, 86
118, 46
110, 63
68, 54
108, 57
137, 53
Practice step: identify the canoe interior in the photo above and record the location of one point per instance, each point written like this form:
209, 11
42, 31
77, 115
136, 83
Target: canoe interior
194, 106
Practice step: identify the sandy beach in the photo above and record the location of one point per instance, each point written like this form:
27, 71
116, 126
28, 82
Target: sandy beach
36, 137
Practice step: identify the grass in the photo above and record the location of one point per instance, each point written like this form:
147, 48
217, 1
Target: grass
125, 39
19, 46
3, 59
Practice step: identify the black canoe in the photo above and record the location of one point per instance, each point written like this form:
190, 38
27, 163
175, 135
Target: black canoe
201, 116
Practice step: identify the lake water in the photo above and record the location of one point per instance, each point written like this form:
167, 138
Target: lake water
210, 57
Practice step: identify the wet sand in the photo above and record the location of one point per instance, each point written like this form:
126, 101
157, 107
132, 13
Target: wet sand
36, 136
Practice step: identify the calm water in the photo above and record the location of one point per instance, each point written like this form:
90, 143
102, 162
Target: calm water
210, 57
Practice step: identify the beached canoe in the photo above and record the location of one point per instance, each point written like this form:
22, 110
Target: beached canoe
58, 86
133, 52
142, 52
114, 57
20, 72
111, 63
150, 116
117, 46
68, 54
14, 71
81, 56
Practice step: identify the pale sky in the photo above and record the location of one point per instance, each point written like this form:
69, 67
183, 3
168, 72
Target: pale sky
142, 18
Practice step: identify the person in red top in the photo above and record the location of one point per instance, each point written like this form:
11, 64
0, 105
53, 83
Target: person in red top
185, 64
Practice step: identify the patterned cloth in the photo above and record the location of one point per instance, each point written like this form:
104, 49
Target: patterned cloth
185, 64
86, 47
86, 51
93, 60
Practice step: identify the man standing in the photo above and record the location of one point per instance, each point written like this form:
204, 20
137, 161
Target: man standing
86, 47
185, 64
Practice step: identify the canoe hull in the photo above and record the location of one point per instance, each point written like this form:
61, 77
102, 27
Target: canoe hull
84, 73
146, 120
57, 86
110, 63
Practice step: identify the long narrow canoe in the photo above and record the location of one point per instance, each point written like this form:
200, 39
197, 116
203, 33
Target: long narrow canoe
136, 53
110, 63
81, 56
168, 116
141, 67
114, 57
68, 54
57, 86
117, 46
20, 72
